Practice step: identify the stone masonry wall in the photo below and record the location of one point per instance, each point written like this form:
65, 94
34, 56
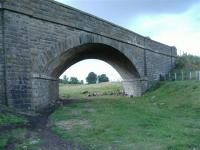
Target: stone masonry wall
38, 31
18, 65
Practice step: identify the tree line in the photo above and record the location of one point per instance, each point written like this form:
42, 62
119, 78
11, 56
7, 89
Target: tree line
71, 80
92, 78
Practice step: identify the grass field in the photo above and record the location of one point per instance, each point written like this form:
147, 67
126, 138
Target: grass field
166, 118
76, 91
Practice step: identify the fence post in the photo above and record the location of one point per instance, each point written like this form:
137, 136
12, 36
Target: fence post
199, 75
190, 75
175, 76
182, 74
169, 75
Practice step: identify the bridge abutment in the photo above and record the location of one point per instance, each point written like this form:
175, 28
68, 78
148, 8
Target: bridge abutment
45, 91
135, 87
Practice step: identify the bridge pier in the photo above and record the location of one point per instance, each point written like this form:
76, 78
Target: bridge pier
45, 91
135, 87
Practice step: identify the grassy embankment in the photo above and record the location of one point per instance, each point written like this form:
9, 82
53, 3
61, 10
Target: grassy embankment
164, 118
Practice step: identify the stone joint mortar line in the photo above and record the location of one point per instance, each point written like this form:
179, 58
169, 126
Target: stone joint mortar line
45, 78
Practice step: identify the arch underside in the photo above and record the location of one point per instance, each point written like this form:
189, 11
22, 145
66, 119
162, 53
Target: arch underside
95, 51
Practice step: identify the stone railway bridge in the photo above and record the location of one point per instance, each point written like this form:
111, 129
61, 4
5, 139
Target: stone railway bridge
40, 39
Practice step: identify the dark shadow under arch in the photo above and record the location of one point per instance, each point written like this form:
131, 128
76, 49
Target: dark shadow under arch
103, 52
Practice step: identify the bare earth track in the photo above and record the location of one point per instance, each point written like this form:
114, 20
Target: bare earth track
39, 125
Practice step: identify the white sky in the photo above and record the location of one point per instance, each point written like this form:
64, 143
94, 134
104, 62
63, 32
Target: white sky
82, 68
173, 22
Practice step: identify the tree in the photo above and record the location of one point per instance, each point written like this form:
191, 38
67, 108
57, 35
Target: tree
65, 79
187, 62
103, 78
91, 78
74, 80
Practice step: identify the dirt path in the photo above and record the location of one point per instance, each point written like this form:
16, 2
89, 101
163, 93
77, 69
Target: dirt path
51, 141
40, 126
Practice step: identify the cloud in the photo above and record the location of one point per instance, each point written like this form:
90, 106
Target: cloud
181, 30
132, 6
121, 11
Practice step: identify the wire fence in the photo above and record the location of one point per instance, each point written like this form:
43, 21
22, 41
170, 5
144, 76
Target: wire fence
181, 75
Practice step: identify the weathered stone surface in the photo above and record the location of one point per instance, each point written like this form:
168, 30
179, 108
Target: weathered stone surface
42, 38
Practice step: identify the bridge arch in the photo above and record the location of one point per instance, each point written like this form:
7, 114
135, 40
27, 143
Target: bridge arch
94, 51
81, 47
84, 46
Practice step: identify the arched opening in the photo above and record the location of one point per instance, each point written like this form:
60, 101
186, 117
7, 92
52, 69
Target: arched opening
59, 61
74, 84
84, 67
108, 54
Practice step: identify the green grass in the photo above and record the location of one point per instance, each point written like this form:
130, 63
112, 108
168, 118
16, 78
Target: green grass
20, 137
75, 91
9, 118
166, 118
